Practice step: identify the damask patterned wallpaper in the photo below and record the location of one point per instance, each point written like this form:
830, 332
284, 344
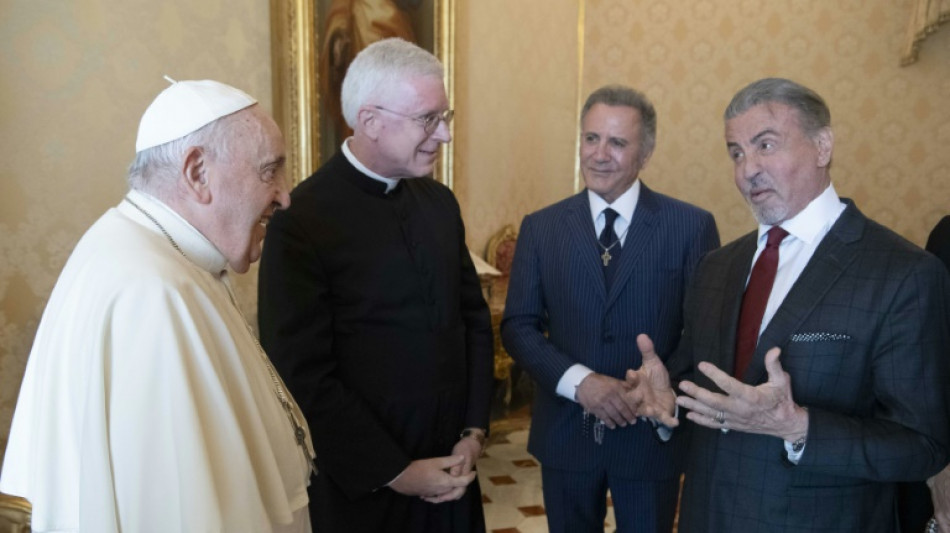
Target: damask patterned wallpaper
517, 122
515, 96
891, 123
77, 76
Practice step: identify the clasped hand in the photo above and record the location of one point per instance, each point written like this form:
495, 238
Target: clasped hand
940, 494
644, 392
440, 479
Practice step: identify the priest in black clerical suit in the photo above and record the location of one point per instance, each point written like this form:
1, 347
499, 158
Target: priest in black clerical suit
372, 312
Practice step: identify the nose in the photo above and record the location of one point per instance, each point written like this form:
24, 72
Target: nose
749, 167
600, 151
282, 200
442, 132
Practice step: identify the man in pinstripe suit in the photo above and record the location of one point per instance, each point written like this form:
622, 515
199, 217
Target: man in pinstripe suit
589, 273
845, 392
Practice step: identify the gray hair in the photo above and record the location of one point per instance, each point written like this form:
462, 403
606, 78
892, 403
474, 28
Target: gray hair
156, 168
813, 113
378, 67
621, 95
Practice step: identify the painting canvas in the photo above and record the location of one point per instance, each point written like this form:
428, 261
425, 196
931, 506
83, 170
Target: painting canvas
314, 42
344, 27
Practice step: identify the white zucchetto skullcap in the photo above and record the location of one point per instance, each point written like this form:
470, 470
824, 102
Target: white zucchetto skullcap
185, 107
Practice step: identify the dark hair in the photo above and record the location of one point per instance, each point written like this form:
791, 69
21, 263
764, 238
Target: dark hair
813, 113
621, 95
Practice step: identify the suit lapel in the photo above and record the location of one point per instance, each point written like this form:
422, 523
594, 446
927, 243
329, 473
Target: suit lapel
639, 233
583, 235
826, 266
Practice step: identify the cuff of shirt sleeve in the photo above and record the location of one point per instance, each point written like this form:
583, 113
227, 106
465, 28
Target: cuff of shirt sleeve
793, 457
665, 432
393, 480
567, 385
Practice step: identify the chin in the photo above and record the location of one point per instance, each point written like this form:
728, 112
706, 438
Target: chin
770, 215
240, 268
422, 171
242, 264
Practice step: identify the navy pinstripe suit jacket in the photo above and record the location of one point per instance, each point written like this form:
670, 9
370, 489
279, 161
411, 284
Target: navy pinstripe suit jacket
864, 339
558, 313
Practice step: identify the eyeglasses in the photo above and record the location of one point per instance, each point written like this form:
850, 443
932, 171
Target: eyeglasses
428, 122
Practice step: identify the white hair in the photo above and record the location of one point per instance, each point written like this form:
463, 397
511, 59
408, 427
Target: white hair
378, 67
156, 168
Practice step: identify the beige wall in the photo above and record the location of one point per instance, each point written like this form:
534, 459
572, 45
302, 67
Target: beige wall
516, 126
892, 124
516, 87
77, 76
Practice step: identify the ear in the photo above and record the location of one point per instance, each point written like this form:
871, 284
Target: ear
645, 158
368, 121
826, 143
194, 175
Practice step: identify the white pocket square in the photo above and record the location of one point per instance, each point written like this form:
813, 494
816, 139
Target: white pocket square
819, 336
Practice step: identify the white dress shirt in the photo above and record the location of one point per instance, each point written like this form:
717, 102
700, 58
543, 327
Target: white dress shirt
805, 232
625, 206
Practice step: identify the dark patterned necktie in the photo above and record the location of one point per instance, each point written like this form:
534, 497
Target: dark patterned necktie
755, 299
610, 246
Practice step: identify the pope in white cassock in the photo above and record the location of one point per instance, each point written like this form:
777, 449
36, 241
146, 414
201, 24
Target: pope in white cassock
147, 404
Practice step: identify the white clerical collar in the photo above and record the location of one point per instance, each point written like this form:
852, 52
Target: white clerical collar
812, 222
195, 246
390, 182
624, 205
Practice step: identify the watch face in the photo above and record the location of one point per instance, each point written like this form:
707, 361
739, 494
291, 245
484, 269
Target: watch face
798, 445
475, 434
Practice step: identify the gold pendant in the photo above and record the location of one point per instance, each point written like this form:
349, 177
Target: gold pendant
606, 257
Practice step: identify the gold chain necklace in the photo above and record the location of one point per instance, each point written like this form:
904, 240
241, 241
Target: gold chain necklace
606, 257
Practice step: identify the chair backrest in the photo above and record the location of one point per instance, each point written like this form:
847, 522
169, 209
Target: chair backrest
500, 253
14, 514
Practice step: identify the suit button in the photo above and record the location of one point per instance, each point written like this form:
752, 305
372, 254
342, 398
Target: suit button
608, 336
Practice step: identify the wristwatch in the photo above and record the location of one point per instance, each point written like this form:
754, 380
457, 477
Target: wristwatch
476, 433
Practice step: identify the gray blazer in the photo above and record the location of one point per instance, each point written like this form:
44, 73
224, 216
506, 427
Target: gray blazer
864, 339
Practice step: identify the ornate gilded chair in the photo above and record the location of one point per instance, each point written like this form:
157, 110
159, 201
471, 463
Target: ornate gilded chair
15, 514
500, 253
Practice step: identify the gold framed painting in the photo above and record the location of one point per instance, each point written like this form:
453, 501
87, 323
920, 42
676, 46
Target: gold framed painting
308, 60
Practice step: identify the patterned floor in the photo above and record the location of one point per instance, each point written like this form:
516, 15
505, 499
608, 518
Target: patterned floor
511, 483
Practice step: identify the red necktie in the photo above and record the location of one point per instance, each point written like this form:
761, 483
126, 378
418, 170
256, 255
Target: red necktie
755, 298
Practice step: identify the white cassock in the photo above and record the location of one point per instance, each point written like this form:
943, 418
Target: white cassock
146, 404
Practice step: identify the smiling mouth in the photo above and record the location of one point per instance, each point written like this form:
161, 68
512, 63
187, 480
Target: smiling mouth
759, 194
